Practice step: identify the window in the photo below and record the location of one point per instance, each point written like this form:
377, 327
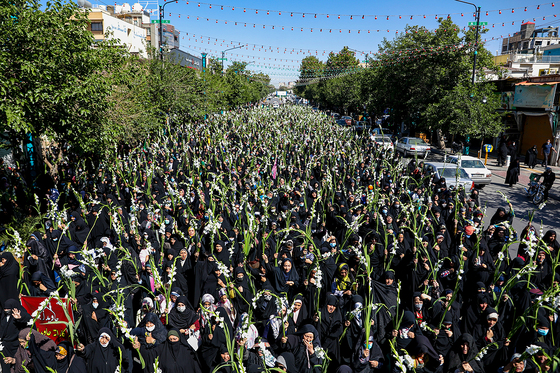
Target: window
452, 173
417, 142
467, 163
97, 26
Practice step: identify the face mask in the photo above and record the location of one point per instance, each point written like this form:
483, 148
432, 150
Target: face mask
104, 344
267, 297
95, 305
301, 204
384, 211
166, 221
239, 279
368, 346
542, 332
8, 312
150, 328
418, 306
55, 239
333, 244
181, 308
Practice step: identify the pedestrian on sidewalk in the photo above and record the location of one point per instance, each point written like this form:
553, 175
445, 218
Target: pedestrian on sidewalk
512, 152
546, 149
531, 157
512, 176
502, 152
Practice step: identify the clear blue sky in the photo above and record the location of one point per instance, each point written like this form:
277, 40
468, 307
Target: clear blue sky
282, 66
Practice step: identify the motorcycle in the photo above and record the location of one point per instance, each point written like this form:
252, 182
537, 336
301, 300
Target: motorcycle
535, 192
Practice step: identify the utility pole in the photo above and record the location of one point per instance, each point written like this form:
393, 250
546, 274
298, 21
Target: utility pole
161, 10
477, 12
224, 54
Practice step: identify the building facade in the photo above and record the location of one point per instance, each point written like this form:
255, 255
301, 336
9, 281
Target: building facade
530, 39
131, 36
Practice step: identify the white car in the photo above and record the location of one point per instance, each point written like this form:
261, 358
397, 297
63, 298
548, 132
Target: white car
383, 141
474, 167
413, 146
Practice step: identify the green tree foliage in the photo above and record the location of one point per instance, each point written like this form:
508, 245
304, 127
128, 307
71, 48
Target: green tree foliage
53, 82
57, 81
340, 62
416, 75
468, 110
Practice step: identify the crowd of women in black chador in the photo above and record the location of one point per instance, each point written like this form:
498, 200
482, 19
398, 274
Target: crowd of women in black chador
265, 240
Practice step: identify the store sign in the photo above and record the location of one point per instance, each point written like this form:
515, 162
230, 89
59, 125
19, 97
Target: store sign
534, 96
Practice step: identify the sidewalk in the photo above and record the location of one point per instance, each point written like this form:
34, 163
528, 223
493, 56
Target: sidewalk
499, 173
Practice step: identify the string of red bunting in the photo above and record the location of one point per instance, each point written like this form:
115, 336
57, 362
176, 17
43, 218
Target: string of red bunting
262, 11
330, 30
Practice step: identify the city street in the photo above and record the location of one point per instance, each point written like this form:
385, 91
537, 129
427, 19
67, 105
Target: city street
490, 198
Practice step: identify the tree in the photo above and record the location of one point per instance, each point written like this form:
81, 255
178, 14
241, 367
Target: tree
420, 67
53, 81
468, 109
343, 61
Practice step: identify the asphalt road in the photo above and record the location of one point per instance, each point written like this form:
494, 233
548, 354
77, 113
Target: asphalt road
522, 206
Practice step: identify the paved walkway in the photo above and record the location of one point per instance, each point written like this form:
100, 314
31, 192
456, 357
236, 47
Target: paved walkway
524, 177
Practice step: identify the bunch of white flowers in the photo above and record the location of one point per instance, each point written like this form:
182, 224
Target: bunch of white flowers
19, 247
409, 362
532, 349
360, 255
320, 352
318, 277
223, 268
171, 274
483, 351
67, 273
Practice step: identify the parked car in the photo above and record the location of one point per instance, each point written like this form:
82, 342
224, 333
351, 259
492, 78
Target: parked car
341, 122
413, 146
348, 120
361, 126
474, 167
336, 116
383, 141
453, 174
381, 131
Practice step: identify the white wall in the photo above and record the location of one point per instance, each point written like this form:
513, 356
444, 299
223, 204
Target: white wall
133, 37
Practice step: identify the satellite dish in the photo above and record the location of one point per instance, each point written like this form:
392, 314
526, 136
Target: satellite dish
126, 8
136, 7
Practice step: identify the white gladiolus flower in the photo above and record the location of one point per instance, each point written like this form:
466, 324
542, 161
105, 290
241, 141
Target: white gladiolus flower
532, 349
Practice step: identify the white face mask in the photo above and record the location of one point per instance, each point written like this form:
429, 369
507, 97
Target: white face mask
95, 305
150, 328
181, 308
104, 344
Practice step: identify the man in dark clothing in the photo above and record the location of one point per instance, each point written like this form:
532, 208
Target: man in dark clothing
548, 178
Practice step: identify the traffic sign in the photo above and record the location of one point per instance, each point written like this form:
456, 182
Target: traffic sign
222, 59
488, 148
162, 21
480, 23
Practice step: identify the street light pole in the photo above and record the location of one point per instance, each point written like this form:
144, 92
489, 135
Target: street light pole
161, 10
224, 53
367, 54
477, 10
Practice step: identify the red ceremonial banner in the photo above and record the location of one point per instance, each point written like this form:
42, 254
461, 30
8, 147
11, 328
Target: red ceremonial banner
52, 319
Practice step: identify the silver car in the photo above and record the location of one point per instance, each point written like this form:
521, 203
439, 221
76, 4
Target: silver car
454, 175
413, 146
